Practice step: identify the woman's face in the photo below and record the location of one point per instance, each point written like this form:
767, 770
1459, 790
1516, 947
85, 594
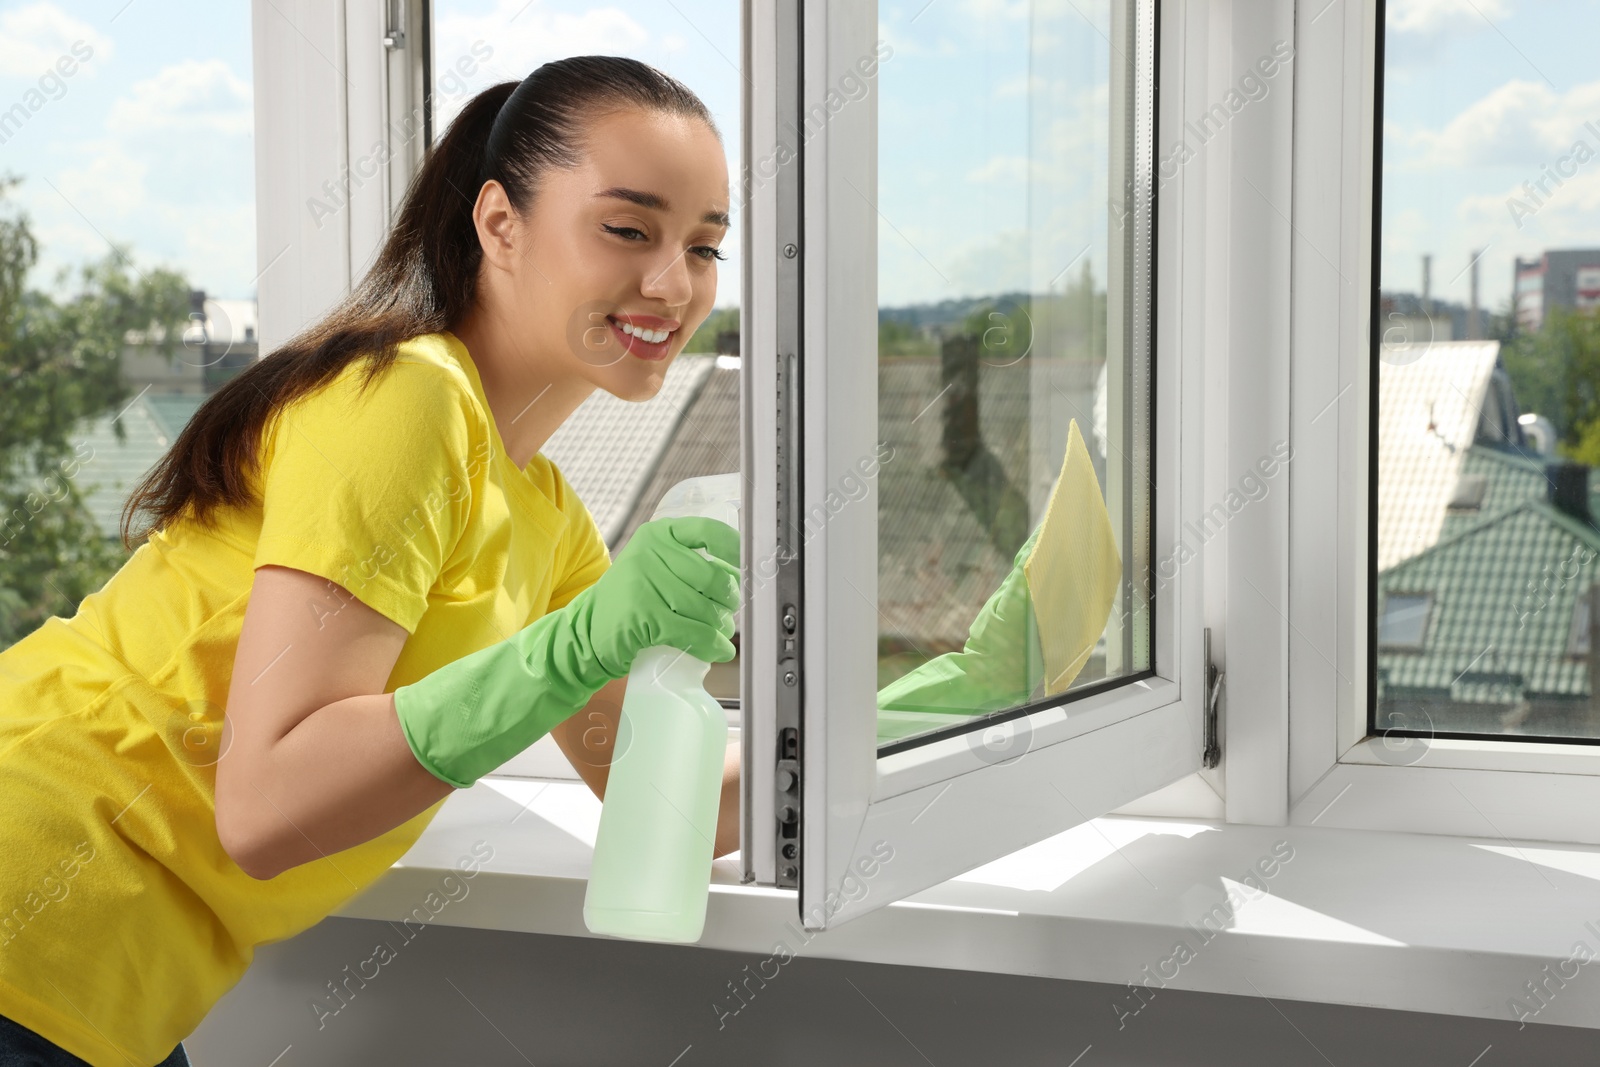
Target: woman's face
628, 238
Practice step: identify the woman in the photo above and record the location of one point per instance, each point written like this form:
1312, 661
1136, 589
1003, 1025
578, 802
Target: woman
356, 550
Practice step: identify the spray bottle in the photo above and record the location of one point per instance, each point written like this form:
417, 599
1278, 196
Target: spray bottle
651, 875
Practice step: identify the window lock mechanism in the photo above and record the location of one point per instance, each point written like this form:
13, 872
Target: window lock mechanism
1211, 755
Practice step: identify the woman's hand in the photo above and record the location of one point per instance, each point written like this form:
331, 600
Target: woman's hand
661, 591
471, 715
998, 667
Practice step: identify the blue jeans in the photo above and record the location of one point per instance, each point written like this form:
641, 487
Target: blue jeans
21, 1047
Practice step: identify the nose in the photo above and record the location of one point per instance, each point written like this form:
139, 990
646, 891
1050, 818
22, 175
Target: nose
669, 282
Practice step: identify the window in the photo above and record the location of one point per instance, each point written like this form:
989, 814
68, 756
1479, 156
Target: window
1409, 154
1578, 639
1014, 309
130, 152
976, 204
622, 456
1469, 493
802, 110
1487, 284
1403, 622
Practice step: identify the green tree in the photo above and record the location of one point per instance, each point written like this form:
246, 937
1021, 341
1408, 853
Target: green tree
898, 338
1003, 328
704, 340
60, 365
1556, 373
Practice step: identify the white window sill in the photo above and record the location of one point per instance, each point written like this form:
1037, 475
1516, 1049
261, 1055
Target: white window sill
1393, 920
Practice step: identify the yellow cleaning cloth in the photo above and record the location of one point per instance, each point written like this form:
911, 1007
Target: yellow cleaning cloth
1073, 569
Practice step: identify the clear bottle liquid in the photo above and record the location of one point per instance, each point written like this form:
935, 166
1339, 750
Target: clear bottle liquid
650, 879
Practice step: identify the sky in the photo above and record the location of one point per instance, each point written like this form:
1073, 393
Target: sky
149, 141
954, 118
1481, 96
992, 120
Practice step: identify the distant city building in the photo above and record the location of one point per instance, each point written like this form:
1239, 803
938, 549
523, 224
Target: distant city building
1411, 319
218, 343
1568, 278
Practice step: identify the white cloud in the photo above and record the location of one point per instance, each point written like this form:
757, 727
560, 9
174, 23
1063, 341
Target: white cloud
1521, 122
195, 96
171, 176
521, 40
1005, 9
903, 46
110, 184
1429, 16
518, 41
1021, 85
991, 263
219, 235
34, 37
1564, 214
1003, 170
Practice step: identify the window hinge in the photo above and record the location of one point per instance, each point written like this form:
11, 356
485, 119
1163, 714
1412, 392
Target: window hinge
1211, 755
394, 34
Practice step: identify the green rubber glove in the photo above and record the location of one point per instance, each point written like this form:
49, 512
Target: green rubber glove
998, 667
472, 715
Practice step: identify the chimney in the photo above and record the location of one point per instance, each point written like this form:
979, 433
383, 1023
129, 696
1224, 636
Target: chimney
958, 371
1427, 286
1474, 332
1568, 488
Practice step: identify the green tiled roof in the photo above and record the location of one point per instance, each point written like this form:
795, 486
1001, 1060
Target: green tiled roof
174, 410
108, 476
1499, 626
1509, 478
108, 469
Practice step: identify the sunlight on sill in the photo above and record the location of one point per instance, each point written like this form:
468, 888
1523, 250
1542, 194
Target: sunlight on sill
1268, 915
1049, 864
952, 907
575, 811
1583, 864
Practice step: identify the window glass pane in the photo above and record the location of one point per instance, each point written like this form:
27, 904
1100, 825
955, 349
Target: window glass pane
1487, 364
1403, 620
127, 134
622, 456
1014, 168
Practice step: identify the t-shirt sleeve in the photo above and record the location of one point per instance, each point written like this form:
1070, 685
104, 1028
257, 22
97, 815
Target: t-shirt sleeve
586, 557
372, 489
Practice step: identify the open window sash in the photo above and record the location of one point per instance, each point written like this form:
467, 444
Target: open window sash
831, 808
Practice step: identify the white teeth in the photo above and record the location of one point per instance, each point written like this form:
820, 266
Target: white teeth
653, 336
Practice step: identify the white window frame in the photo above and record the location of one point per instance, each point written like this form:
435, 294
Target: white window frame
1115, 746
1338, 775
336, 84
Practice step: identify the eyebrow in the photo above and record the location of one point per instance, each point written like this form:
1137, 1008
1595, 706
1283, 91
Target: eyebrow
658, 203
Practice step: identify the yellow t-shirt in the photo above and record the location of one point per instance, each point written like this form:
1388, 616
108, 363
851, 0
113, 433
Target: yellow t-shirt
122, 919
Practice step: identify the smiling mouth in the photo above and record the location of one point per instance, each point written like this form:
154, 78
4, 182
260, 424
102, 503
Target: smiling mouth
640, 343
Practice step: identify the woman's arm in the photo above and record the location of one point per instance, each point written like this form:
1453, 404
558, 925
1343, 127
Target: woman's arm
728, 811
313, 760
586, 740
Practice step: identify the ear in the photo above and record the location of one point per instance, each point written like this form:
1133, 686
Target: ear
497, 224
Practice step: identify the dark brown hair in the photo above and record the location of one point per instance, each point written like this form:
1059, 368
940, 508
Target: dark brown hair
424, 279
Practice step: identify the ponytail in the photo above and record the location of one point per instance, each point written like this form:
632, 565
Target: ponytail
423, 281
